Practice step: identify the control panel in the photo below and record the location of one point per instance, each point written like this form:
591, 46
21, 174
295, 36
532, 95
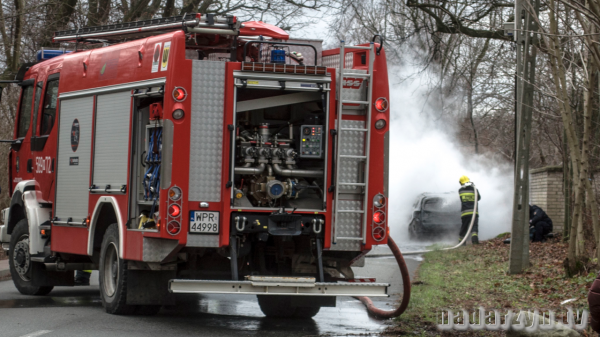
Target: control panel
311, 141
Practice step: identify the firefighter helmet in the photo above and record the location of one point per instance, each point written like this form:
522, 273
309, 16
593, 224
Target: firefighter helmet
463, 180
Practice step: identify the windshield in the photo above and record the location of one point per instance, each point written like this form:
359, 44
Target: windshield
441, 204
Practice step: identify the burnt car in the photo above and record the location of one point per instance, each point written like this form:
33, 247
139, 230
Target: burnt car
435, 215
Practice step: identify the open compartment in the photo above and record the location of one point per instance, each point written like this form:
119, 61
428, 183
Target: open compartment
280, 153
146, 160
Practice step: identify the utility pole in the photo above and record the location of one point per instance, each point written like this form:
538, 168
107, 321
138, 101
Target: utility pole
526, 14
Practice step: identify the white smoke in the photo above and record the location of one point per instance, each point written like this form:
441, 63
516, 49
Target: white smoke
425, 157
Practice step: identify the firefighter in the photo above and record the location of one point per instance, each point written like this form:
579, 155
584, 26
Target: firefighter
82, 277
540, 224
467, 200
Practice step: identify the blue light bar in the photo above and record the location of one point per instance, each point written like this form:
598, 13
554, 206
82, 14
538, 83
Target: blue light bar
277, 56
46, 54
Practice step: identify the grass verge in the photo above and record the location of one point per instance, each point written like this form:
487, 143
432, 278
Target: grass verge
474, 276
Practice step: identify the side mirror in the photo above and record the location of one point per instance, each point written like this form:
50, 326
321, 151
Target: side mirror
14, 144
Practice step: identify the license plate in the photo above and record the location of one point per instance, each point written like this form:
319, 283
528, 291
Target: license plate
204, 222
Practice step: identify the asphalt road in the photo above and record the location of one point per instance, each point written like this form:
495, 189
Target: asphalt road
78, 312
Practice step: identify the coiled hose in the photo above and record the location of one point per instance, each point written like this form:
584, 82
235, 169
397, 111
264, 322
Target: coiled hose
405, 282
406, 276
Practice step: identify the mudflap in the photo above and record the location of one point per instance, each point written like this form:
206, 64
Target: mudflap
147, 287
40, 277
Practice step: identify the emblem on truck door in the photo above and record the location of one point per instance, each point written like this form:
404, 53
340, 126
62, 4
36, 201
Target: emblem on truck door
75, 135
165, 56
156, 57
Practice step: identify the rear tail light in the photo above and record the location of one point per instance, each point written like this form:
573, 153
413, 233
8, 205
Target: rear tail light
378, 233
175, 193
174, 210
379, 229
379, 201
381, 104
173, 227
179, 94
379, 217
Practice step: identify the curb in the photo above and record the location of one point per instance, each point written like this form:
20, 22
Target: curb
4, 270
5, 275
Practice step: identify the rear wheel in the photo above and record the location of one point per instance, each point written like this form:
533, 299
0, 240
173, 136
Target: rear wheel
276, 306
281, 307
412, 235
113, 275
21, 266
306, 312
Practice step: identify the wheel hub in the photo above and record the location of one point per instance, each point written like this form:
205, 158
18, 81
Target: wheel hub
110, 271
22, 260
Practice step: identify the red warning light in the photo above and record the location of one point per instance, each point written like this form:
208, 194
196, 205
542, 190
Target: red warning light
379, 217
179, 94
173, 227
381, 104
174, 210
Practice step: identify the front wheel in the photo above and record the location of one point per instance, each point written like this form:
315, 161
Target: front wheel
21, 266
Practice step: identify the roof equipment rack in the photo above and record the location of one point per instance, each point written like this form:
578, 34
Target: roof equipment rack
189, 23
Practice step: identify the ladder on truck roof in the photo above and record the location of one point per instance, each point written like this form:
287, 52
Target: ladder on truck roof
190, 23
362, 181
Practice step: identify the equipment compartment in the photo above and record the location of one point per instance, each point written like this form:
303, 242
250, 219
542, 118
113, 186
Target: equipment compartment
279, 160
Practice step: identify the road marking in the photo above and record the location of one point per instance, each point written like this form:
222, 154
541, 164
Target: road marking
37, 333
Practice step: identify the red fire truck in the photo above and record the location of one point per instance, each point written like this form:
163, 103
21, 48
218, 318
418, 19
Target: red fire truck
197, 154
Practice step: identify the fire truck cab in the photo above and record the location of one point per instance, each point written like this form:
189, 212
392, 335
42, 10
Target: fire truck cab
197, 154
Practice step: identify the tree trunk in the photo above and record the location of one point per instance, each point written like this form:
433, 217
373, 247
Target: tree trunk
560, 82
92, 16
6, 43
470, 114
567, 181
169, 7
592, 87
16, 48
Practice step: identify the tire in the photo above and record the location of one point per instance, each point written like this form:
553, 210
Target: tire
20, 262
306, 312
113, 275
411, 233
276, 306
147, 310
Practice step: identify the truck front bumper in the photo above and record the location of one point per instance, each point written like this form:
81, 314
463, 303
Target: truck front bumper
289, 286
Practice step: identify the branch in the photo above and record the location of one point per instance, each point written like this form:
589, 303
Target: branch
457, 27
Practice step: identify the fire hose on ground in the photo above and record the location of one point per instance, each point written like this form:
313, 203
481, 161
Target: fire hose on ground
405, 274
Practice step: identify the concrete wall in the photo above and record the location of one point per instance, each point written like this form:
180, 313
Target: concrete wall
546, 191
